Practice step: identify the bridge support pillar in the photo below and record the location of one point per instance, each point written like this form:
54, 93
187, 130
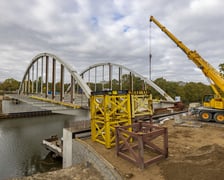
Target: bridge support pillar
67, 148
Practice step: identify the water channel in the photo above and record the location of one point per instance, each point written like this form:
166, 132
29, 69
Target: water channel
21, 152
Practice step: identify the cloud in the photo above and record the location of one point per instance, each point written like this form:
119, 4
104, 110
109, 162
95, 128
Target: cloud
83, 33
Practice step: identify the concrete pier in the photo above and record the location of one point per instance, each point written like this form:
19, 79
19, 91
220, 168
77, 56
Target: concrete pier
67, 148
76, 151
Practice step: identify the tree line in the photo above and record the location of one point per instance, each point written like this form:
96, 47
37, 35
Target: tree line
188, 91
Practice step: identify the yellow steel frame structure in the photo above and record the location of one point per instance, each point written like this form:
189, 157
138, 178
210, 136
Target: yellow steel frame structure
111, 109
141, 103
107, 112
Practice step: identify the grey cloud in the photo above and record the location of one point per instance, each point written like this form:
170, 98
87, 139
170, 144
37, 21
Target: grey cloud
85, 32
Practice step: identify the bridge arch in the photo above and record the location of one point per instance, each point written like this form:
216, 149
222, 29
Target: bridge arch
40, 78
27, 85
120, 68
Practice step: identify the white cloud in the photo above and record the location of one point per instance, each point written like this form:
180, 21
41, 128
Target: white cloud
87, 32
208, 6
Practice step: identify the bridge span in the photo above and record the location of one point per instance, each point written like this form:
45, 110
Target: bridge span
50, 79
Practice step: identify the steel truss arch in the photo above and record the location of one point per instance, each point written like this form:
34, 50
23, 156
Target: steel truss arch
151, 83
73, 72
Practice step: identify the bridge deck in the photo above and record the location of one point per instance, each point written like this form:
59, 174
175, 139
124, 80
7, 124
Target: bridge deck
46, 104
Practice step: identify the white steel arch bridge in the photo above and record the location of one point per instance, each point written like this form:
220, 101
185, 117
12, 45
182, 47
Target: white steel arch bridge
49, 78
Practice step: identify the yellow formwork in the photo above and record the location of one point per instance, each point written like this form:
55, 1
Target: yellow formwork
108, 110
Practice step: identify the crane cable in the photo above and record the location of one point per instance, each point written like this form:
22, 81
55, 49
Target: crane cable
150, 50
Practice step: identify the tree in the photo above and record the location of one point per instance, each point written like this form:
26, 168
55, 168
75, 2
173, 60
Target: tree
221, 69
189, 92
10, 85
194, 92
172, 88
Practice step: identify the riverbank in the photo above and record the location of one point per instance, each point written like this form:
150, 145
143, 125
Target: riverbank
22, 153
82, 171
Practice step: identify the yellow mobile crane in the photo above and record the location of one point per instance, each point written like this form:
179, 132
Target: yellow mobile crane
213, 105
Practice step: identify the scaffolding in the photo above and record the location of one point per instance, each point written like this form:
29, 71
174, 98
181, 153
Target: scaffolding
140, 146
110, 109
141, 104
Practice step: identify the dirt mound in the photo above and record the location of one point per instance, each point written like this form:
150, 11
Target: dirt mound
205, 163
208, 155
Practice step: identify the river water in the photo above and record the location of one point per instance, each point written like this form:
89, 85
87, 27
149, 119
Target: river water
21, 152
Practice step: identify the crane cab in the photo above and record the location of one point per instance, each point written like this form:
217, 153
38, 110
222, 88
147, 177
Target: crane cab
211, 101
212, 109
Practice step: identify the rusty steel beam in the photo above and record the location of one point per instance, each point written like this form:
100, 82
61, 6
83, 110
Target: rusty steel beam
62, 94
46, 76
32, 81
142, 135
120, 78
42, 76
165, 143
53, 78
72, 90
37, 80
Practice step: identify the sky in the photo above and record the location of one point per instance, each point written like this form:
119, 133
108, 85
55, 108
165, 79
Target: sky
86, 32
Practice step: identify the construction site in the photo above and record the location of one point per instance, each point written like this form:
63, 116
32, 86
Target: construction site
133, 141
196, 151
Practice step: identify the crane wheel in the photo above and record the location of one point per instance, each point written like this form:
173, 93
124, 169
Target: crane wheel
205, 116
219, 117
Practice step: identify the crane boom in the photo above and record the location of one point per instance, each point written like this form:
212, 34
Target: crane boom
213, 106
210, 72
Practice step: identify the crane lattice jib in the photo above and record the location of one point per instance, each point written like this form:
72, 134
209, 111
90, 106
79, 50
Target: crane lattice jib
205, 67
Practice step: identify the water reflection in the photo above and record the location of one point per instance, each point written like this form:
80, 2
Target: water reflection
36, 164
21, 152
